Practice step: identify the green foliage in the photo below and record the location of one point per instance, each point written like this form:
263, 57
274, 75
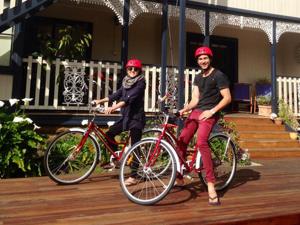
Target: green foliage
20, 145
263, 100
287, 115
71, 43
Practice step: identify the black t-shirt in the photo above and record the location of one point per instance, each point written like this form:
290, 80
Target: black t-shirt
210, 87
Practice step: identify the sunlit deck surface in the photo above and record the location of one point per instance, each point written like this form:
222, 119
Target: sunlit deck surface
266, 194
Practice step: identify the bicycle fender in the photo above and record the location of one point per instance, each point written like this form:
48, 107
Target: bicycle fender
168, 146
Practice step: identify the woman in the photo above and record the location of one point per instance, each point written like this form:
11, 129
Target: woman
130, 97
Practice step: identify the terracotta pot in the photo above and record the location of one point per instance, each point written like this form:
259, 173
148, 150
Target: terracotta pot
293, 135
278, 121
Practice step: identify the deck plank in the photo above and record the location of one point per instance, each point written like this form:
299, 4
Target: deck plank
267, 194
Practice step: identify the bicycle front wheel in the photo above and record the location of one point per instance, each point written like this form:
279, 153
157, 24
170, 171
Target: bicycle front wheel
224, 161
145, 161
67, 161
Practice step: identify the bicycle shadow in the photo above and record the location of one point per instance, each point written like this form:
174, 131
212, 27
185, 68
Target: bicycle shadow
242, 176
195, 189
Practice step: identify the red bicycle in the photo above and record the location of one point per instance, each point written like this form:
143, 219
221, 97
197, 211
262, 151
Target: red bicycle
73, 155
158, 163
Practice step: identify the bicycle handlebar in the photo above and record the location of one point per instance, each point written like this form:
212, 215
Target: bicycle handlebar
97, 109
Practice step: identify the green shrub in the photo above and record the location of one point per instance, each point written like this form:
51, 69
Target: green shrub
287, 115
20, 144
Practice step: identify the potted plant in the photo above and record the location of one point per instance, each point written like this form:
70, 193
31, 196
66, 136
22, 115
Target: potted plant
289, 119
264, 105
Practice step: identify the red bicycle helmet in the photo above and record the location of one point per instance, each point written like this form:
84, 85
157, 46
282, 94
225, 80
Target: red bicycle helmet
203, 51
134, 63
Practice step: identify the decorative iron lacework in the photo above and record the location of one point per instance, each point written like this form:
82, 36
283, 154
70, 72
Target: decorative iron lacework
74, 85
138, 7
197, 16
241, 21
282, 27
115, 5
172, 84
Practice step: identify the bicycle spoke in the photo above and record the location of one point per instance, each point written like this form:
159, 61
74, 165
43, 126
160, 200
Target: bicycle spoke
66, 164
155, 178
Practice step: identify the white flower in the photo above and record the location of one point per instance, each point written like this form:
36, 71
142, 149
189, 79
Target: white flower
273, 116
27, 100
0, 126
28, 120
18, 119
36, 127
1, 104
84, 122
110, 123
13, 101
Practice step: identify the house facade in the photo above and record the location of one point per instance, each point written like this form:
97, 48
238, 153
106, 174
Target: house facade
252, 40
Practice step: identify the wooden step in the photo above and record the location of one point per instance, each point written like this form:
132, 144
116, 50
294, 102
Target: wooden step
258, 127
274, 152
263, 135
263, 143
249, 121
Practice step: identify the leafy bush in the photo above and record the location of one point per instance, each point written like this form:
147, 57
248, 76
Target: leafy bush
264, 100
20, 145
286, 113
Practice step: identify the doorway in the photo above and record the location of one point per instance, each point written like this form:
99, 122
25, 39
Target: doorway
225, 52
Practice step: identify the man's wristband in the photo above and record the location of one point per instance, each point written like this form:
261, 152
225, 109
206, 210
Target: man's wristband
212, 111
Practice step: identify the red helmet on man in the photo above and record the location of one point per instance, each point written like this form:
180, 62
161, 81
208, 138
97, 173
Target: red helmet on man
134, 63
203, 51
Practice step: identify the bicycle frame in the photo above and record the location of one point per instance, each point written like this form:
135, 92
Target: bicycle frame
189, 166
166, 127
92, 129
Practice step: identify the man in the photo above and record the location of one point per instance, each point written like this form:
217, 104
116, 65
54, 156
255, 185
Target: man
210, 94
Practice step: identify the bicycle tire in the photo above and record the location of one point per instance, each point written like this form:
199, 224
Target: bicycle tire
153, 185
61, 163
224, 166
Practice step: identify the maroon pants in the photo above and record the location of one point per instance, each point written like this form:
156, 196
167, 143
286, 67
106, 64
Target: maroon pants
191, 125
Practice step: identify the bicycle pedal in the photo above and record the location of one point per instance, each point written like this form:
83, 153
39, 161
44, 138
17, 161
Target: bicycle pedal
189, 177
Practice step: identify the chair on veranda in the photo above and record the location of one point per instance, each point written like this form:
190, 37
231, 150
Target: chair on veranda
242, 94
261, 90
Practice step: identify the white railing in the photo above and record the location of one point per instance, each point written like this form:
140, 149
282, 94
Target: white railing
11, 4
289, 90
44, 83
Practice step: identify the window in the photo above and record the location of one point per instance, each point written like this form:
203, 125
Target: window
5, 50
40, 26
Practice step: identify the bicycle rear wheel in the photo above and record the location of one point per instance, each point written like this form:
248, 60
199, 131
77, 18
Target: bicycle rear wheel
145, 163
224, 161
66, 163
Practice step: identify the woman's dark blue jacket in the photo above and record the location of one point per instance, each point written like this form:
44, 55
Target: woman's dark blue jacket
133, 114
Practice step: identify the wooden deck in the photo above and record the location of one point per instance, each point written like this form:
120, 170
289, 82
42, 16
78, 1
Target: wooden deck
267, 194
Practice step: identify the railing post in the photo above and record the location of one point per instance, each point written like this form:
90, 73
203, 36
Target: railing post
273, 70
164, 51
181, 58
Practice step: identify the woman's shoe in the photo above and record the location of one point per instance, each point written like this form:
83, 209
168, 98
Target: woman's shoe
212, 202
130, 181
